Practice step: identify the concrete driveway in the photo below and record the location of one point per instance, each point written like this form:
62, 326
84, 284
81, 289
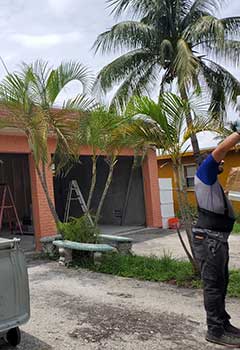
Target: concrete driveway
78, 309
167, 242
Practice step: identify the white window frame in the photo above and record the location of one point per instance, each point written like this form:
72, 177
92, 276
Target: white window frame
185, 166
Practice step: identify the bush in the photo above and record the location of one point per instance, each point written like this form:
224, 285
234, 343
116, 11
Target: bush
236, 228
192, 211
237, 216
79, 230
234, 284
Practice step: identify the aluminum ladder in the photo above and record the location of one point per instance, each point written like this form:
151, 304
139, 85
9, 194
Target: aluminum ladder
74, 194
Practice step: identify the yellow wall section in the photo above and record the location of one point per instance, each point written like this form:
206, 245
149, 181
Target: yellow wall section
165, 171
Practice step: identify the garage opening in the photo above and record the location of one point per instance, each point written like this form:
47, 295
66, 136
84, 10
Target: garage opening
124, 203
14, 172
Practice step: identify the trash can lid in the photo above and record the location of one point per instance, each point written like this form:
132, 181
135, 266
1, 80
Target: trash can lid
7, 243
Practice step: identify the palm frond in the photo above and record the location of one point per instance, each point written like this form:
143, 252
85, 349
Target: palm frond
207, 29
124, 35
164, 119
143, 84
231, 26
186, 65
65, 73
15, 92
115, 72
137, 7
40, 71
80, 103
200, 124
200, 8
163, 124
228, 51
223, 85
27, 98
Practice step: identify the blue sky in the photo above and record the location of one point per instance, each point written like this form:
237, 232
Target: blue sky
57, 30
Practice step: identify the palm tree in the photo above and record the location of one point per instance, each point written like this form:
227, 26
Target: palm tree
162, 125
171, 42
102, 131
92, 131
29, 96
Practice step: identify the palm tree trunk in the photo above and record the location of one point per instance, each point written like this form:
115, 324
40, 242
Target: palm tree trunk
194, 140
185, 214
42, 178
105, 191
93, 181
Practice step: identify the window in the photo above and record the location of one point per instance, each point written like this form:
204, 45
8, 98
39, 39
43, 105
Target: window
189, 173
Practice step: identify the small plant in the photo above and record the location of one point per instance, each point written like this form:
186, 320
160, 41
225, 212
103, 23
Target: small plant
237, 216
192, 211
79, 230
236, 228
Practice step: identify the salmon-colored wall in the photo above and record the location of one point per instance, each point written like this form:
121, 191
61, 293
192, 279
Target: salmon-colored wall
165, 171
151, 190
44, 224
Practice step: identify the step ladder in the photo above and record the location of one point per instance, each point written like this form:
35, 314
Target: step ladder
8, 206
74, 194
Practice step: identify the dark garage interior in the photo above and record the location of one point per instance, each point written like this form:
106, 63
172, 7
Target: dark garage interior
14, 171
124, 203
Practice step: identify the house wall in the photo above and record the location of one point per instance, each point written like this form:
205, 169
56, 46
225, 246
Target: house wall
44, 224
165, 171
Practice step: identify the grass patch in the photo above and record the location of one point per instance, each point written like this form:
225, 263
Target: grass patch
165, 269
234, 284
236, 228
147, 268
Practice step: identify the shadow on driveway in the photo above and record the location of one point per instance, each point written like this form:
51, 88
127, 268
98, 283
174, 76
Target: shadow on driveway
28, 342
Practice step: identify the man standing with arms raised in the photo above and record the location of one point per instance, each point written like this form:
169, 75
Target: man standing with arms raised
210, 242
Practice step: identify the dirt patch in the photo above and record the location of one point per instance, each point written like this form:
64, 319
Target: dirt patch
102, 321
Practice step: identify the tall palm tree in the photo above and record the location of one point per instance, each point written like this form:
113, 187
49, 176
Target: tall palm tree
171, 42
163, 125
29, 97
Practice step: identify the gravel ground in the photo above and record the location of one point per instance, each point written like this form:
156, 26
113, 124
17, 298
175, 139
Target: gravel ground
79, 309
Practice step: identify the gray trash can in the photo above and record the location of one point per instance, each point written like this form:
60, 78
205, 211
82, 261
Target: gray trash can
14, 291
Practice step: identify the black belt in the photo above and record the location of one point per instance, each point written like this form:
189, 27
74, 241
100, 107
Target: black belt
220, 236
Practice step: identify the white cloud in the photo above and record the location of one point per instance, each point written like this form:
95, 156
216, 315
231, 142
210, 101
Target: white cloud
60, 7
45, 41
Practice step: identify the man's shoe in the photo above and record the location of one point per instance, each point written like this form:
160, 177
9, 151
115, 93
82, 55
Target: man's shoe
224, 339
231, 330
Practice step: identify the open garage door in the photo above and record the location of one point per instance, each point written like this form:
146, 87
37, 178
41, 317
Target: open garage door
14, 171
124, 204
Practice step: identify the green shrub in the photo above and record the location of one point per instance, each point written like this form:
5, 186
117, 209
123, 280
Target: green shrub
234, 284
236, 228
192, 211
237, 216
79, 230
